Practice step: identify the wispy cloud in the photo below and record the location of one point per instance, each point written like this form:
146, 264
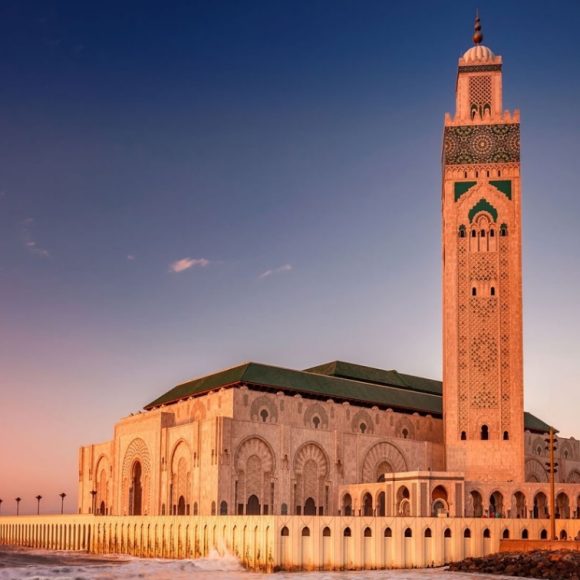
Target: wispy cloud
130, 257
267, 273
187, 263
29, 241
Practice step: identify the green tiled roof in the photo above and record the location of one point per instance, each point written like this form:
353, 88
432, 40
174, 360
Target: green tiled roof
337, 380
307, 383
378, 376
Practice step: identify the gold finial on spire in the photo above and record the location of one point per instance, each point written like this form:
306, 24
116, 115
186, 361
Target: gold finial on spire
477, 35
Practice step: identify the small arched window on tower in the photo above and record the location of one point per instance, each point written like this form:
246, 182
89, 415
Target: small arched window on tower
483, 233
462, 231
493, 291
506, 435
463, 436
503, 230
264, 415
484, 432
474, 291
473, 234
492, 233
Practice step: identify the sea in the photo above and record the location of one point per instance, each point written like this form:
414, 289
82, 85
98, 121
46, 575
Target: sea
22, 563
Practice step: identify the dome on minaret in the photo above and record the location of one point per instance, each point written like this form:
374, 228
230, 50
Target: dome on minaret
478, 53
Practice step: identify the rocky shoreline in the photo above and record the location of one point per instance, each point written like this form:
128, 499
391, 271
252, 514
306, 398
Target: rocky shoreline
558, 565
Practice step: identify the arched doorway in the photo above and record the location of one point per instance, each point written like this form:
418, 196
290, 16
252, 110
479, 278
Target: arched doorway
381, 504
181, 506
562, 506
367, 504
540, 505
439, 501
519, 503
496, 505
309, 507
477, 502
253, 506
347, 505
136, 490
403, 503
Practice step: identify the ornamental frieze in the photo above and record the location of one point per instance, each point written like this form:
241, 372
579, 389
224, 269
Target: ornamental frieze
482, 144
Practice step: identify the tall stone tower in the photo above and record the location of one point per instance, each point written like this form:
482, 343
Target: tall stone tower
482, 277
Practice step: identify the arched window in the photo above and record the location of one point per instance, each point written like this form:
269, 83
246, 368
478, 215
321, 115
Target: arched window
463, 436
408, 533
563, 535
506, 435
224, 508
474, 291
363, 427
473, 234
467, 533
544, 535
428, 533
405, 433
284, 509
492, 233
506, 534
368, 533
503, 230
326, 532
306, 532
285, 531
264, 415
316, 421
461, 231
388, 533
493, 290
486, 533
484, 432
447, 533
347, 533
525, 534
483, 233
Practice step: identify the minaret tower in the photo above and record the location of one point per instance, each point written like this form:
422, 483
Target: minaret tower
482, 276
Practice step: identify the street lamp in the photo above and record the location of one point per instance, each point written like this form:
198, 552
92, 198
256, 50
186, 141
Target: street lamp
38, 498
18, 500
62, 496
94, 494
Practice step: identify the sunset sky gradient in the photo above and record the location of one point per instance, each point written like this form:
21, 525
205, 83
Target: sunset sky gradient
188, 185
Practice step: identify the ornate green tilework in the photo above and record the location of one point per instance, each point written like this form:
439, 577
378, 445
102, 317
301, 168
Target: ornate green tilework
482, 144
504, 185
482, 205
460, 187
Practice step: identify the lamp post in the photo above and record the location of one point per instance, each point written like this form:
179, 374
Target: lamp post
62, 496
94, 494
551, 446
18, 500
38, 498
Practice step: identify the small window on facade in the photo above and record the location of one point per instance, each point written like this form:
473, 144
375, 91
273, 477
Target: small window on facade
463, 435
499, 172
473, 233
525, 534
477, 174
503, 231
474, 291
316, 421
284, 509
487, 173
405, 433
506, 435
484, 432
363, 427
493, 291
465, 175
506, 535
492, 233
462, 231
264, 415
285, 531
486, 533
483, 233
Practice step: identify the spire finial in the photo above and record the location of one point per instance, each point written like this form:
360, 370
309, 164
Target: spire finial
477, 35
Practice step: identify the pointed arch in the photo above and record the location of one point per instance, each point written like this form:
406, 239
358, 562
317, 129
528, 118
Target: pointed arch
137, 460
382, 453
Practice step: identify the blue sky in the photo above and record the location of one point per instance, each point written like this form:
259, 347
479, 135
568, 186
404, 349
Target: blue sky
289, 153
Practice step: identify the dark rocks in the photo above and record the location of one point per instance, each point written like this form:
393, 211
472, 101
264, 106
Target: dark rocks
559, 565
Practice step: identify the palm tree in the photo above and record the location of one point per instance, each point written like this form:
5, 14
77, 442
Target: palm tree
18, 500
62, 496
38, 498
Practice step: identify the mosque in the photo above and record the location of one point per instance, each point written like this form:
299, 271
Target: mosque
350, 440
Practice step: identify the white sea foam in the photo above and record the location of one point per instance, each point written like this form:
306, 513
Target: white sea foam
44, 565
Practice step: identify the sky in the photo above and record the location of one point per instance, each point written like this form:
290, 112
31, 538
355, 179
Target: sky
188, 185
